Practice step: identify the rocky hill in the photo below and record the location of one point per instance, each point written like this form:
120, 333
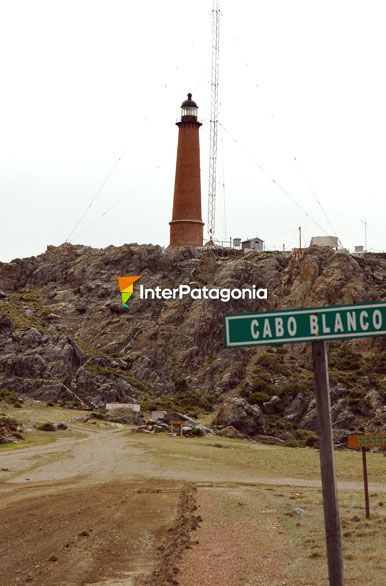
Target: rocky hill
65, 337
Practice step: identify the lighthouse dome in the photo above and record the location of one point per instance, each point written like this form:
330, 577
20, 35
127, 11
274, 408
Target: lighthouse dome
189, 103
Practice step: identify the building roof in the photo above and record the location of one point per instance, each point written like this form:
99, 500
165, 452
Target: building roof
189, 103
253, 239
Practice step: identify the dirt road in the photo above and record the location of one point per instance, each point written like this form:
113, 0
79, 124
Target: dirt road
103, 508
111, 454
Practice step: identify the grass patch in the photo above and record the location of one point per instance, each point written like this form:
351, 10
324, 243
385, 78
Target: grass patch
248, 461
362, 542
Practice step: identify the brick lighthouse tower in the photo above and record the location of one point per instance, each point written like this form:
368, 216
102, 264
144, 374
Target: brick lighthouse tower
186, 227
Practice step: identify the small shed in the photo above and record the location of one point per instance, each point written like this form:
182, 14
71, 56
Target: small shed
253, 244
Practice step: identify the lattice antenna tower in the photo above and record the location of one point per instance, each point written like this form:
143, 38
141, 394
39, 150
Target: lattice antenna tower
212, 185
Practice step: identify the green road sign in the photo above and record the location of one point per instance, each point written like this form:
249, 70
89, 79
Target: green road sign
305, 325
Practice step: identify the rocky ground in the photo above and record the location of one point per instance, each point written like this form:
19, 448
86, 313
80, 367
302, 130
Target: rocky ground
64, 336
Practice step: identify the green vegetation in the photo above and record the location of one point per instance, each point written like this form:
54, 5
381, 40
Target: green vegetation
274, 363
109, 371
263, 388
344, 358
285, 372
9, 422
87, 348
10, 397
98, 415
46, 426
305, 437
15, 305
358, 403
258, 397
377, 363
193, 403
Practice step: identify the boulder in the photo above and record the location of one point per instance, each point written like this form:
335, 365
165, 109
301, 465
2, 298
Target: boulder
297, 408
274, 405
230, 432
238, 413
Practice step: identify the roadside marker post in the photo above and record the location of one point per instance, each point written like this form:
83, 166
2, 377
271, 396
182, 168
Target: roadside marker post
315, 325
363, 442
178, 423
366, 483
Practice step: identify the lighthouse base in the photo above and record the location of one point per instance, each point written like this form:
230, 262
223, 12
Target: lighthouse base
186, 233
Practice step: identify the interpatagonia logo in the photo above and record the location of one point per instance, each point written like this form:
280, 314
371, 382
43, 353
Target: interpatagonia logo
126, 287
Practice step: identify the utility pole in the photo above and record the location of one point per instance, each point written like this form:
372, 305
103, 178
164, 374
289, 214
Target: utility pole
364, 222
214, 81
300, 237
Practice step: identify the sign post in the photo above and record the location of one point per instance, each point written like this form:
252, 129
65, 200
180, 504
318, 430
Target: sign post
314, 325
364, 441
327, 465
366, 483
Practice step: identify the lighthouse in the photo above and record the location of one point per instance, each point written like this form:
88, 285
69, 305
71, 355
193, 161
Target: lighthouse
186, 227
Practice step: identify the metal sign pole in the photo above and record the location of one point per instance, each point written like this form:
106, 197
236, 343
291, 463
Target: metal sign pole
326, 451
366, 483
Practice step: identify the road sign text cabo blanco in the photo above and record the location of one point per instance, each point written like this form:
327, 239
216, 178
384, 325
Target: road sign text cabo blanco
305, 325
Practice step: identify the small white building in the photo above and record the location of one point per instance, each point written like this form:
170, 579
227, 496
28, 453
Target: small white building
330, 241
256, 244
134, 407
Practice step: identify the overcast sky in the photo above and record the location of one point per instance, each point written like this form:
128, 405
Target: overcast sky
84, 82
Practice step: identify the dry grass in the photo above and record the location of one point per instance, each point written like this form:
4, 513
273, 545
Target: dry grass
363, 541
33, 413
245, 459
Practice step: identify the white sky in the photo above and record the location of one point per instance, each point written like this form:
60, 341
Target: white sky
84, 82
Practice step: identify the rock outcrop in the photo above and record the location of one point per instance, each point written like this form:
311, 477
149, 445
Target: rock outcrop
238, 413
64, 335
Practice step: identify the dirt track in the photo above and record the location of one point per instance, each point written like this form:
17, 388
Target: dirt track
98, 509
105, 455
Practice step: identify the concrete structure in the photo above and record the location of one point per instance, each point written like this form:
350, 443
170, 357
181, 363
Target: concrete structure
186, 227
134, 407
331, 241
253, 244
